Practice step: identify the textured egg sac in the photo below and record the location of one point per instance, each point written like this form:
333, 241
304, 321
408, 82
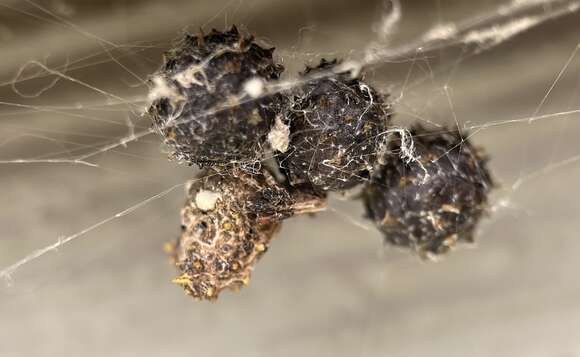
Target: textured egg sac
430, 205
207, 118
337, 126
227, 224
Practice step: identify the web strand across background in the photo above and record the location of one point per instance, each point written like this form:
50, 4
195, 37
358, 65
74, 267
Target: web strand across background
79, 160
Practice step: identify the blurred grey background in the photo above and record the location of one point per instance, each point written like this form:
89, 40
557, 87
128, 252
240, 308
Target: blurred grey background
327, 287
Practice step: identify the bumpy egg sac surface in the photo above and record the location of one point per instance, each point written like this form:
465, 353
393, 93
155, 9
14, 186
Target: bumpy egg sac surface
431, 204
227, 224
337, 125
208, 100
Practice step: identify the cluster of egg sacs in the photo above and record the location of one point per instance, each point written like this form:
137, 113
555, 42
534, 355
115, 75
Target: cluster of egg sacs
331, 132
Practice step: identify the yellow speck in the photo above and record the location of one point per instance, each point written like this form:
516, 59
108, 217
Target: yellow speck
197, 265
183, 279
260, 247
210, 292
227, 226
246, 280
367, 127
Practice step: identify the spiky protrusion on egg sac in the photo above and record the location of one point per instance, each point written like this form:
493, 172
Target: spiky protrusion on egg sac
337, 125
430, 204
209, 101
227, 224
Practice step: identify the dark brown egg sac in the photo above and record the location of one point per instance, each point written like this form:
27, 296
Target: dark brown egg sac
337, 125
430, 205
208, 100
227, 224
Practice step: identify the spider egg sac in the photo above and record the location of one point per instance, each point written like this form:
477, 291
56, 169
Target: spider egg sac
337, 125
430, 204
227, 224
209, 100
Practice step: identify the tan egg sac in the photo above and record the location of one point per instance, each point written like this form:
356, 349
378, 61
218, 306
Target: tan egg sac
227, 224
